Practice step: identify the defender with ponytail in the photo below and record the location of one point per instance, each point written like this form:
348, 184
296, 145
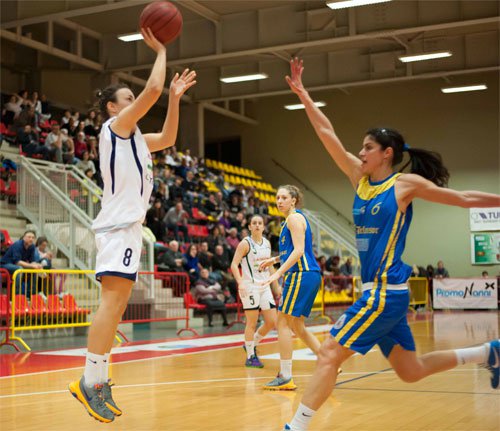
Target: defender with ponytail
382, 212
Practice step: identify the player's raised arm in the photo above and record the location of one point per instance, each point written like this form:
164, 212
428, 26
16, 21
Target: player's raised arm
347, 162
128, 117
178, 86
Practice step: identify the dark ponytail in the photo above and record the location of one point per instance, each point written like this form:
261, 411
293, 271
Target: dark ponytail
427, 164
108, 95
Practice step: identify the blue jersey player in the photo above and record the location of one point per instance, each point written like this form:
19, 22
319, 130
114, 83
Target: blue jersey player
382, 212
302, 280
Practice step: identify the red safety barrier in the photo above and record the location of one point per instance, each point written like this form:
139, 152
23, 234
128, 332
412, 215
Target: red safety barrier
5, 309
159, 297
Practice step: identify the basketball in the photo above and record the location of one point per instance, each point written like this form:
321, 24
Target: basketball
164, 20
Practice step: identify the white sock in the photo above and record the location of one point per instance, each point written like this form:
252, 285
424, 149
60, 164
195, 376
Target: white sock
473, 355
302, 417
286, 368
105, 368
94, 365
250, 348
257, 338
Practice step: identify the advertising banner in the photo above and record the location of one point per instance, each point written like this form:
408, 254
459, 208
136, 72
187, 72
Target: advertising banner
485, 248
484, 219
465, 293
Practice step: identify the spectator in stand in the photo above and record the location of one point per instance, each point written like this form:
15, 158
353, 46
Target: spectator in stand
234, 205
85, 163
169, 160
211, 206
37, 105
208, 292
190, 187
346, 268
250, 208
28, 140
240, 222
76, 117
225, 219
172, 260
441, 271
21, 255
24, 95
332, 265
66, 118
176, 220
80, 144
92, 145
322, 264
26, 117
176, 191
430, 272
418, 271
42, 253
260, 207
161, 194
45, 106
204, 256
187, 156
54, 141
12, 109
71, 126
221, 265
154, 219
68, 148
192, 263
233, 240
80, 128
91, 124
485, 274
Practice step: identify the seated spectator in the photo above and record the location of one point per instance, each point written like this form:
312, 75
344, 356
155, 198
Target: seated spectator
154, 219
28, 140
54, 142
274, 228
234, 205
346, 268
212, 207
332, 265
21, 255
92, 146
233, 240
441, 271
225, 219
12, 109
322, 264
204, 256
172, 260
485, 274
430, 272
221, 269
66, 118
240, 221
85, 163
191, 263
175, 191
80, 128
208, 292
176, 220
80, 143
190, 187
161, 193
26, 117
42, 253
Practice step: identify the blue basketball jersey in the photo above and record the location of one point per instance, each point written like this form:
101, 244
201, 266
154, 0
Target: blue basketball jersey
307, 262
381, 230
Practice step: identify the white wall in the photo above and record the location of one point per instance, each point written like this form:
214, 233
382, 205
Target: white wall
463, 127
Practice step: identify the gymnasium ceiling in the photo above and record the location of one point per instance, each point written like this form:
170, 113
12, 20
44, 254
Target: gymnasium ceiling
341, 49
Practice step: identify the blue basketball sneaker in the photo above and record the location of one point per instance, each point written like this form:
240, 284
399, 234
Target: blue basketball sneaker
286, 427
494, 363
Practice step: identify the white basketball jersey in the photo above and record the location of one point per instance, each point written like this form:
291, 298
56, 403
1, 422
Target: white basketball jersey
127, 173
250, 263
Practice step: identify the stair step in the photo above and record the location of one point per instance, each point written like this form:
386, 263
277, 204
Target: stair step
11, 223
9, 212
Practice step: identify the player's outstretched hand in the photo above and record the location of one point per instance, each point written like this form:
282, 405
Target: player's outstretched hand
266, 264
181, 84
296, 69
151, 41
275, 277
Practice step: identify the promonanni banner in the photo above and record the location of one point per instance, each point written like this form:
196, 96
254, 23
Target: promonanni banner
465, 293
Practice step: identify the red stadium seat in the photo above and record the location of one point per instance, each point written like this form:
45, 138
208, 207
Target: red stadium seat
21, 306
4, 307
189, 302
69, 303
197, 215
54, 306
38, 306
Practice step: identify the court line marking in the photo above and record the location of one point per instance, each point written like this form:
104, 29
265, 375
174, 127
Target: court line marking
420, 391
363, 375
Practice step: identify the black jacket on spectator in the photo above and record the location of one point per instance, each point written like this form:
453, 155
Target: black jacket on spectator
167, 261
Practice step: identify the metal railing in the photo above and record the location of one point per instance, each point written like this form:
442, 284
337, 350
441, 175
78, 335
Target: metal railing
332, 239
61, 202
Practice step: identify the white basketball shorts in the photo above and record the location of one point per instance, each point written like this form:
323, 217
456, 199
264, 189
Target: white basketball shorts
119, 252
258, 299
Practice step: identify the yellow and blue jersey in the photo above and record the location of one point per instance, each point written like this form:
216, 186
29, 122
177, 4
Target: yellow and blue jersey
307, 262
303, 279
379, 316
381, 230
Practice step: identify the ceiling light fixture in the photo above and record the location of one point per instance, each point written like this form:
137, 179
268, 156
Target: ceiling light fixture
464, 88
423, 57
352, 3
301, 106
243, 78
131, 37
